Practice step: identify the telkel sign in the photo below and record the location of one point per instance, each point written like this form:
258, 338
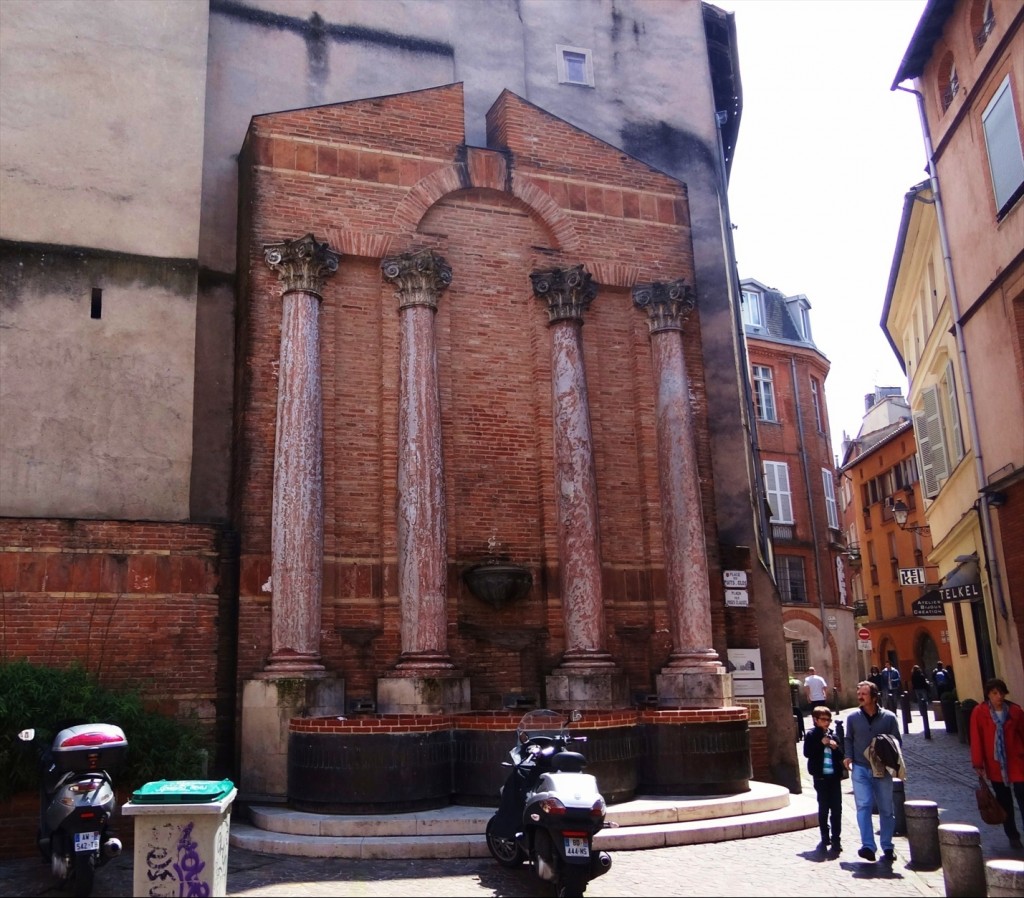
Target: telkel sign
969, 592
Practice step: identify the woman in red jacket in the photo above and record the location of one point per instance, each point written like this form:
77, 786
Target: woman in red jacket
997, 750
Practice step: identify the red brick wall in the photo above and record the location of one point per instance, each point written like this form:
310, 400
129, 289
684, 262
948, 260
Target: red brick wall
391, 175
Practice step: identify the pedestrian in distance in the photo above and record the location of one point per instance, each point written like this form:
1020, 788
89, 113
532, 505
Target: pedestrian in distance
870, 789
919, 683
942, 677
815, 688
823, 749
997, 751
890, 686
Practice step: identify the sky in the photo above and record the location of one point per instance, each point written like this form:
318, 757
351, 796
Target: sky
826, 152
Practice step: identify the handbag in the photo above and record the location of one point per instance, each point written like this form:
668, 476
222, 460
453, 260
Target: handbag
988, 805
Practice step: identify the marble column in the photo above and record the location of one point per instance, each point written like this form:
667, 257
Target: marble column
587, 676
694, 676
298, 517
422, 521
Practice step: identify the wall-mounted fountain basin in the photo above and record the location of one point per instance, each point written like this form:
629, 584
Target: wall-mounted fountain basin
498, 581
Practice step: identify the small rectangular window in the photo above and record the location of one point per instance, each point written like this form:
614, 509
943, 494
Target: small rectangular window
831, 508
776, 485
801, 655
789, 571
753, 314
575, 65
764, 393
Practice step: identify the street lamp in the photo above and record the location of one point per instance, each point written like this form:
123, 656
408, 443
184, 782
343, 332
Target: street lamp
900, 512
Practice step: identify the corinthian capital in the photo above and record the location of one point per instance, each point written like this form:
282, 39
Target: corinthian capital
419, 277
567, 291
667, 305
301, 264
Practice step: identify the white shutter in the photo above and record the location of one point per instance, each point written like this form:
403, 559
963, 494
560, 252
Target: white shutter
956, 437
831, 511
928, 431
776, 483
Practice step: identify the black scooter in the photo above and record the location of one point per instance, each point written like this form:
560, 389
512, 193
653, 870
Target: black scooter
77, 800
550, 810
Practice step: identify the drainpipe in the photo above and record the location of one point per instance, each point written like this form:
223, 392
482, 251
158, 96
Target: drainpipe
984, 511
810, 505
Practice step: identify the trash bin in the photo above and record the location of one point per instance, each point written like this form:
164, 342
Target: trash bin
181, 836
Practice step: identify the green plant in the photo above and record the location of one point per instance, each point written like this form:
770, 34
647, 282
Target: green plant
47, 698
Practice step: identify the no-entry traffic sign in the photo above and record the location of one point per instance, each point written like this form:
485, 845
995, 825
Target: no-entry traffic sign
863, 633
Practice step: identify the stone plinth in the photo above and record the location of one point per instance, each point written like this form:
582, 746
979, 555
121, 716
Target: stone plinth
268, 703
597, 690
439, 694
695, 687
963, 865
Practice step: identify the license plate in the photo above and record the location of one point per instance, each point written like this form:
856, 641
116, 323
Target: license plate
576, 847
87, 841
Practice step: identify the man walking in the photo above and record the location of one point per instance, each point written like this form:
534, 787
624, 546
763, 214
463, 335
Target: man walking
890, 686
815, 688
869, 788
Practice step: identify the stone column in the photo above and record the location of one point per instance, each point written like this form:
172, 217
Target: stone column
587, 677
425, 680
298, 514
293, 681
694, 676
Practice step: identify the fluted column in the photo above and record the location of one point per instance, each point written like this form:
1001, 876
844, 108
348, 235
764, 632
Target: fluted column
298, 518
694, 674
568, 293
422, 521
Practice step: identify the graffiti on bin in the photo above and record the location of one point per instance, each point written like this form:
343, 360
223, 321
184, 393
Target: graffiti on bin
175, 871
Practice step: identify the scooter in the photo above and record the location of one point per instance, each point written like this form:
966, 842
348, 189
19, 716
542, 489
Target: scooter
549, 810
77, 800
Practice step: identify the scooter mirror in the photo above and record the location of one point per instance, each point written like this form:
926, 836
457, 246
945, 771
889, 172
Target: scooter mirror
27, 735
577, 716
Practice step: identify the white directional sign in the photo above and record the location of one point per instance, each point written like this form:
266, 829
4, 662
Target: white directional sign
864, 645
912, 576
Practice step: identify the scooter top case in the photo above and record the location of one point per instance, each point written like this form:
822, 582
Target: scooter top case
89, 747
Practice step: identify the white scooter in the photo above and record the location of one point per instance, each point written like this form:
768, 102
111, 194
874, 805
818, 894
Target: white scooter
550, 810
77, 800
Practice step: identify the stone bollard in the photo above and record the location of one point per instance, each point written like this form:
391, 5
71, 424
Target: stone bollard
963, 867
1005, 879
923, 834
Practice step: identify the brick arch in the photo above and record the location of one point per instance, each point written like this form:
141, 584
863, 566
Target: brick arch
793, 614
486, 170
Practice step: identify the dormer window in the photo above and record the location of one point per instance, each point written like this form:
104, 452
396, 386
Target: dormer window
753, 311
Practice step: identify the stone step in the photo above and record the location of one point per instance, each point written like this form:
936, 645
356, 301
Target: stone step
457, 830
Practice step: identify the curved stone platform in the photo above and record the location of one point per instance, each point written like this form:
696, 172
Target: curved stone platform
457, 830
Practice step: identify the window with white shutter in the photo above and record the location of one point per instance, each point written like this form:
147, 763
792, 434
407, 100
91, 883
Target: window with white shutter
930, 446
951, 415
776, 482
831, 509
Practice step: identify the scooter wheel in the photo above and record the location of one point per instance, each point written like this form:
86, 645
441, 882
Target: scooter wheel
504, 850
85, 871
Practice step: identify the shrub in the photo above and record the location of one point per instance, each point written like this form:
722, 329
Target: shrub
47, 698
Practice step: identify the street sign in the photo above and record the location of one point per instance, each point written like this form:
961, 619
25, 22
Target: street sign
912, 576
863, 633
864, 645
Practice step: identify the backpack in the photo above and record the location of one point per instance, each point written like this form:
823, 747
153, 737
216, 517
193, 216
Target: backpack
940, 678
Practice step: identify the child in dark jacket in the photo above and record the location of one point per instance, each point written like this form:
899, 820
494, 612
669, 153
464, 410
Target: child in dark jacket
824, 749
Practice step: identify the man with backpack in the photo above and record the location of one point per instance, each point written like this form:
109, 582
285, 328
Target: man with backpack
942, 677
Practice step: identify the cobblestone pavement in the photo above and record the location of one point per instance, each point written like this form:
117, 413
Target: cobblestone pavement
938, 769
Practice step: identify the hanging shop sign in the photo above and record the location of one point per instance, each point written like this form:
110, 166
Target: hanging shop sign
962, 585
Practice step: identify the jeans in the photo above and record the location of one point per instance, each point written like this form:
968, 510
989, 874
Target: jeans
870, 790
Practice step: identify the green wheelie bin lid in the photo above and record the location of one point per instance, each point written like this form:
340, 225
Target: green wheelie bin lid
182, 791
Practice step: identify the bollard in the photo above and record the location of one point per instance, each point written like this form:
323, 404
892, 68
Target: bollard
905, 710
963, 866
1005, 879
923, 834
923, 708
899, 795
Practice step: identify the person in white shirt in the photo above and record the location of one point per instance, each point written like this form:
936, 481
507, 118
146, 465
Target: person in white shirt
815, 688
